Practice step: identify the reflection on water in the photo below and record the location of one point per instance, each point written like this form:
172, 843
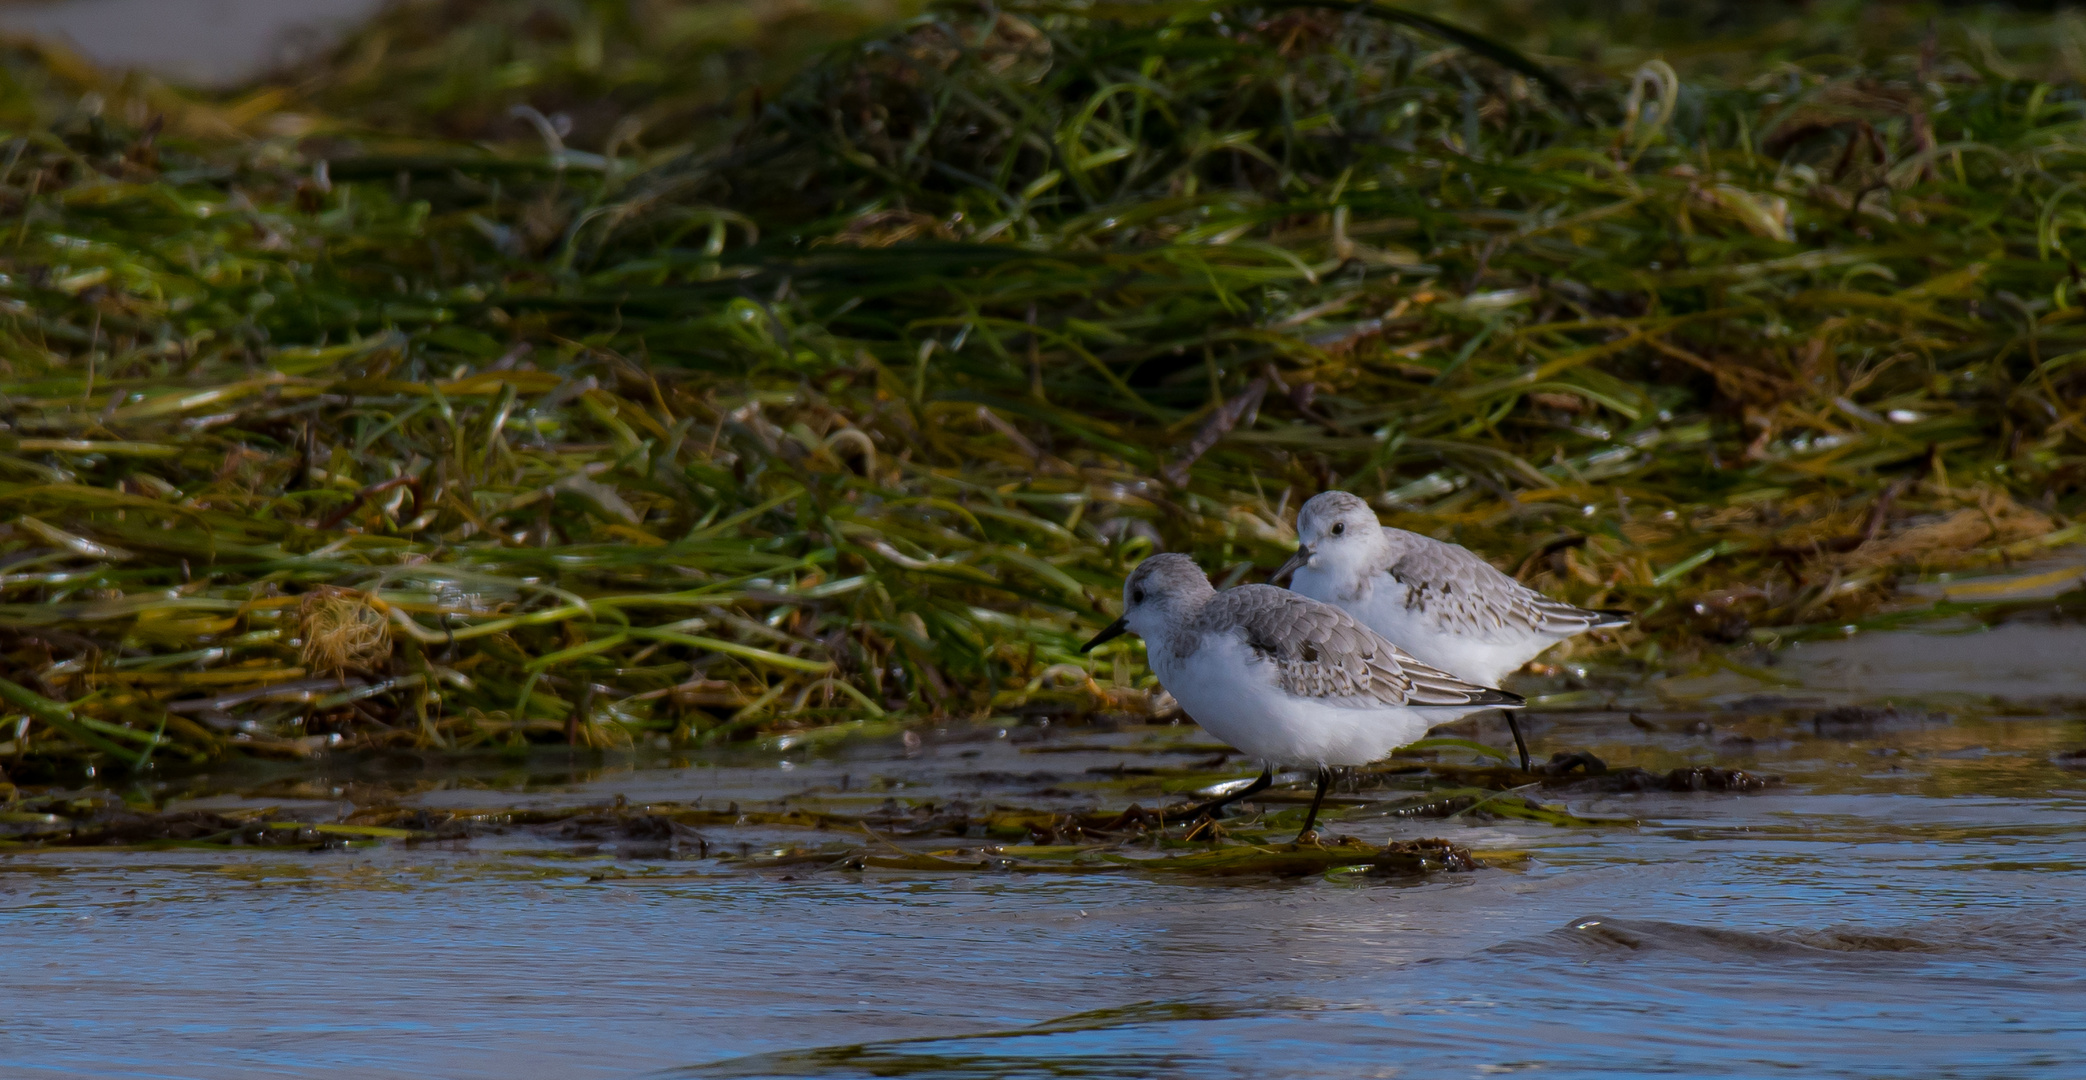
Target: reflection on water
1907, 902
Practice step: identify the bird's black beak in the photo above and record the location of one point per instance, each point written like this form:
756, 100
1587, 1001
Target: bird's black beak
1296, 562
1110, 632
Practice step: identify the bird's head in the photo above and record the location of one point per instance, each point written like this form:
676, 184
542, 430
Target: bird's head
1158, 594
1333, 528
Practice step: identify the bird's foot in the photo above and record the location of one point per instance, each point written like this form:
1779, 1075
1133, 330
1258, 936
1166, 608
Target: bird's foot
1206, 829
1307, 838
1563, 764
1193, 812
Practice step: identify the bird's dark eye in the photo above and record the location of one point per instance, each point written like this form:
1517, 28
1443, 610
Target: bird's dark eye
1137, 596
1339, 527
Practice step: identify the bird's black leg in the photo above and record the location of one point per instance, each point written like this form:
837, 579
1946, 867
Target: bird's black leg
1325, 779
1520, 744
1209, 809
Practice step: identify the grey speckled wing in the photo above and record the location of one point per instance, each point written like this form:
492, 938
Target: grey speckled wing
1469, 596
1323, 653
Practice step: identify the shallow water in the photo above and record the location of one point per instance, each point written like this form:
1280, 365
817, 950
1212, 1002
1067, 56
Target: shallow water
1908, 902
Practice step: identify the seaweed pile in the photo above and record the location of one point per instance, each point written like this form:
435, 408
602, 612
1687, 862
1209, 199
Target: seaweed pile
656, 414
952, 837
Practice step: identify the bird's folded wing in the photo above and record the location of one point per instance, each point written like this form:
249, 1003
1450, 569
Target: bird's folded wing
1467, 595
1323, 653
1559, 619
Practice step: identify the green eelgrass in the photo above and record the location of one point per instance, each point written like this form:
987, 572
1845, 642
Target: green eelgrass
852, 406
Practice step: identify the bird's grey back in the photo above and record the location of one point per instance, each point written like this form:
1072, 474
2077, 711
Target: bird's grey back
1467, 595
1322, 652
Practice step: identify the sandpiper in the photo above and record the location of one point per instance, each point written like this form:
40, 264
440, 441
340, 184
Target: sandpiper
1283, 677
1438, 601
